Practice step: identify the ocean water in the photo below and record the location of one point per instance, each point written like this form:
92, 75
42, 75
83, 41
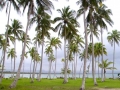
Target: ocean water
108, 75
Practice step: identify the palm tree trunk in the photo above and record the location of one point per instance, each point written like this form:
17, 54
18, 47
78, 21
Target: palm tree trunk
11, 67
55, 62
98, 68
22, 58
23, 69
74, 66
93, 61
6, 36
72, 70
113, 60
39, 77
33, 74
30, 68
14, 56
65, 74
86, 50
102, 55
50, 68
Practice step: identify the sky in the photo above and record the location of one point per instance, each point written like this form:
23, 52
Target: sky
113, 5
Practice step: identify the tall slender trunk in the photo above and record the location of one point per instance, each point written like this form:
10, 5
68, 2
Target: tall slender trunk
22, 58
102, 79
98, 67
113, 60
6, 36
65, 73
86, 52
14, 56
74, 66
11, 67
55, 62
30, 69
39, 77
89, 65
50, 68
23, 61
93, 61
33, 74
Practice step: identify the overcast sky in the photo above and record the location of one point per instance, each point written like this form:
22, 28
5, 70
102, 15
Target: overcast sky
113, 5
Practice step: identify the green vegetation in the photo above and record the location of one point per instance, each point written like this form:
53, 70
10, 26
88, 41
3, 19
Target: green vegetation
56, 84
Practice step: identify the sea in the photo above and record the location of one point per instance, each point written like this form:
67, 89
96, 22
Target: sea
45, 75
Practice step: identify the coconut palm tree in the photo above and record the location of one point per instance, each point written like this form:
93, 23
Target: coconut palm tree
15, 29
30, 5
8, 4
51, 59
84, 5
56, 43
106, 65
66, 18
113, 38
103, 18
11, 54
98, 52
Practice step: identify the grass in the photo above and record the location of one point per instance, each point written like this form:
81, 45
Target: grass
56, 84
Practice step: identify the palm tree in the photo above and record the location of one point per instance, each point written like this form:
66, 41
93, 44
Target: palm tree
65, 20
7, 3
106, 65
84, 5
15, 29
103, 18
51, 59
113, 38
98, 52
11, 54
31, 7
56, 43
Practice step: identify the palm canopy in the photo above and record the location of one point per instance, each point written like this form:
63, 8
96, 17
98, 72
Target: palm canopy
8, 3
39, 14
66, 19
31, 5
113, 37
11, 53
106, 64
98, 49
15, 29
54, 42
103, 16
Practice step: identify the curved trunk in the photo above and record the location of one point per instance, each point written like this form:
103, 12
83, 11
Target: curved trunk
22, 58
102, 56
6, 36
86, 50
